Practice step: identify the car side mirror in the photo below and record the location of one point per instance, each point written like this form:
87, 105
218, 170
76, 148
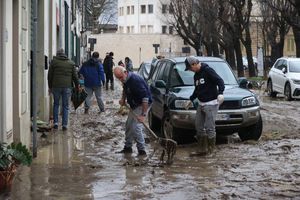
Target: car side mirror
160, 84
283, 70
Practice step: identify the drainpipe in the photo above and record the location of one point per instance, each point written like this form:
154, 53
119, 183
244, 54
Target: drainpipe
1, 73
34, 89
60, 27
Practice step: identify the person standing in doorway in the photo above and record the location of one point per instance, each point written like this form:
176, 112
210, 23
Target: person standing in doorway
209, 87
62, 75
138, 96
93, 74
108, 64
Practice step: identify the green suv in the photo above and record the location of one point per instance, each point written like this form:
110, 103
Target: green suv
171, 87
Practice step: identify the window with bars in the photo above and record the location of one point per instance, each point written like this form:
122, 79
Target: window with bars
143, 9
164, 9
150, 8
164, 29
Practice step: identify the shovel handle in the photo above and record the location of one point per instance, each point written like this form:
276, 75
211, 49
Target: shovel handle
143, 122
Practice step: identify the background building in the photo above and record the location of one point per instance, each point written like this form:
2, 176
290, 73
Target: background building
143, 33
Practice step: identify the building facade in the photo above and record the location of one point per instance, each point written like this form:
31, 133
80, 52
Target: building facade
59, 25
143, 16
143, 33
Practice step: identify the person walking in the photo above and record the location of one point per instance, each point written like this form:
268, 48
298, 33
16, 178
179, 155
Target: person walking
62, 75
108, 64
138, 96
93, 74
128, 64
208, 94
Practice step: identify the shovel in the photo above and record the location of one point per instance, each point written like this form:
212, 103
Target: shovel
169, 145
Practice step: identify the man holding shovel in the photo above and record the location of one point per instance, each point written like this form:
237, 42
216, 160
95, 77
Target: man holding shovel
209, 87
138, 96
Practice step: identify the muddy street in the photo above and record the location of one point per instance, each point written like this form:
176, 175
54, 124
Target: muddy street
82, 163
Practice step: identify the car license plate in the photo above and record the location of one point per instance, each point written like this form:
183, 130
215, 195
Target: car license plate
222, 117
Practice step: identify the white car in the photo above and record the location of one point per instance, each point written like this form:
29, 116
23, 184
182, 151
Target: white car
284, 78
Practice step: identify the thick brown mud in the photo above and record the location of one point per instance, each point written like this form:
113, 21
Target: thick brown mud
82, 163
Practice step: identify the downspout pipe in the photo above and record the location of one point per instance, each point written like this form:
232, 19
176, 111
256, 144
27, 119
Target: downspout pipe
34, 82
1, 72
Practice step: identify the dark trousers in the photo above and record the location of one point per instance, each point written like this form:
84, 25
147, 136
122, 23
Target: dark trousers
109, 78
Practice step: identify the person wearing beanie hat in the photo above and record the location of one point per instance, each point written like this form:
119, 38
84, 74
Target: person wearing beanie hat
62, 75
208, 92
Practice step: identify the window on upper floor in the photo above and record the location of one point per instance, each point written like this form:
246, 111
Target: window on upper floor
164, 9
132, 10
121, 29
150, 29
128, 10
150, 8
171, 30
143, 29
164, 29
171, 9
120, 11
143, 8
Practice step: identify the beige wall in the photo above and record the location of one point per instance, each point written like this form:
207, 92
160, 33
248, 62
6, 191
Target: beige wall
138, 47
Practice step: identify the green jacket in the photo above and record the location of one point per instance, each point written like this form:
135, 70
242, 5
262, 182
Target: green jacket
62, 73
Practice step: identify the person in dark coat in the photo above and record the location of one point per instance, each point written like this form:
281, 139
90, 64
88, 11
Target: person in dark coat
62, 75
138, 96
108, 64
93, 74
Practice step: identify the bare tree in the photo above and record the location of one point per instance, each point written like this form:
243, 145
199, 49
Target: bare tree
291, 13
103, 12
187, 22
274, 26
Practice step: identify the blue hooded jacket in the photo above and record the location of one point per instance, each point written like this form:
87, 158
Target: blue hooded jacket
93, 73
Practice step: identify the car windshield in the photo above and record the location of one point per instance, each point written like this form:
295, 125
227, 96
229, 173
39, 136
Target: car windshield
179, 77
295, 66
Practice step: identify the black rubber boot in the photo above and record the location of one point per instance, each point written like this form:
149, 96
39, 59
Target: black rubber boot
202, 146
211, 144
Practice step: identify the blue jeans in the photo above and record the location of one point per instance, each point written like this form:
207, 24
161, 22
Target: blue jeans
134, 130
98, 94
205, 120
65, 93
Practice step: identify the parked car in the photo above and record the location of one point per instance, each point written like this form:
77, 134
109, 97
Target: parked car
284, 78
245, 62
144, 69
171, 87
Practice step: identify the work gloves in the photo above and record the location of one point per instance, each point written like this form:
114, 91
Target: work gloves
220, 99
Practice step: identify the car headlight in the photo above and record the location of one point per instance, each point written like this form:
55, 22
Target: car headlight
249, 101
182, 103
295, 81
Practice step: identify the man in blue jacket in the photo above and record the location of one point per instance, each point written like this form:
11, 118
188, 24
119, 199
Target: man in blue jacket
138, 96
209, 87
93, 74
